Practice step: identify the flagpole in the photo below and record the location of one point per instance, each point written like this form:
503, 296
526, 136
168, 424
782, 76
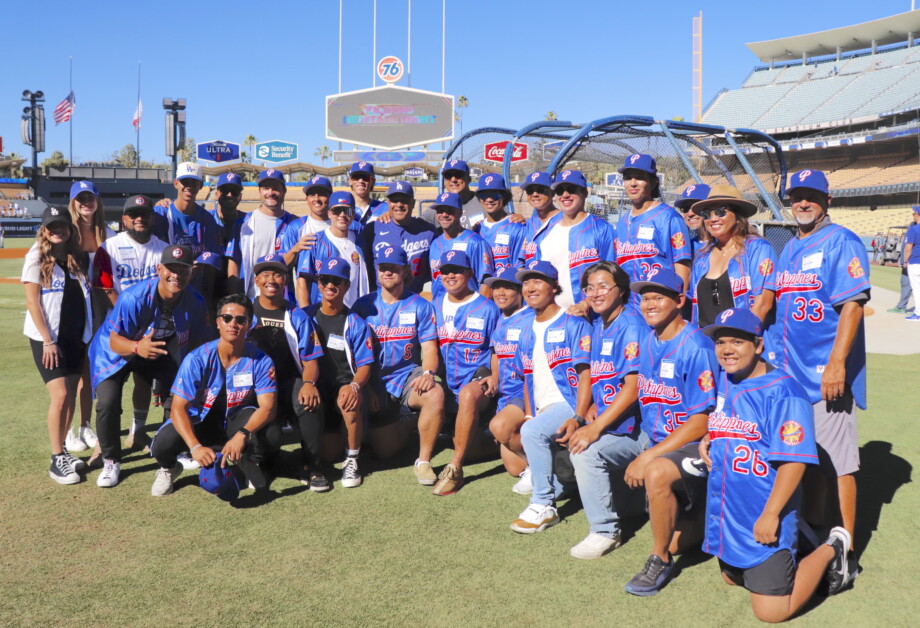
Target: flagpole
70, 122
137, 142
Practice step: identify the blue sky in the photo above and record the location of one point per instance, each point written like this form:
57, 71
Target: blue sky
265, 68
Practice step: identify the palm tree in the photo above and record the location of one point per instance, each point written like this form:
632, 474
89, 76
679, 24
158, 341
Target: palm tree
462, 103
323, 153
250, 141
550, 116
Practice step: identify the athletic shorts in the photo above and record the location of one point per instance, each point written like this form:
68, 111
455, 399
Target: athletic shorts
451, 403
393, 408
774, 576
691, 493
835, 433
70, 359
504, 402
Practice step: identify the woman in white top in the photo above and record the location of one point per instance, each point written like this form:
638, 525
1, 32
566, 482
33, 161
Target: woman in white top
58, 326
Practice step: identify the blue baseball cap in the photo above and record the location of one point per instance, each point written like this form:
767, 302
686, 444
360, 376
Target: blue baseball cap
342, 198
811, 179
639, 161
83, 186
538, 267
271, 173
692, 194
572, 177
659, 278
736, 319
391, 254
210, 259
401, 187
455, 258
275, 261
493, 183
219, 480
507, 274
318, 182
362, 166
336, 267
448, 199
537, 178
916, 209
231, 179
456, 165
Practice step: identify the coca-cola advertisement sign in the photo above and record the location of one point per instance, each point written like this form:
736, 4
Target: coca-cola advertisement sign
496, 152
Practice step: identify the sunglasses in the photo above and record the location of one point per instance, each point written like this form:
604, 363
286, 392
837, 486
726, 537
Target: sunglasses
685, 209
86, 198
566, 189
719, 212
134, 213
715, 296
538, 189
340, 209
359, 177
240, 320
331, 279
491, 196
233, 192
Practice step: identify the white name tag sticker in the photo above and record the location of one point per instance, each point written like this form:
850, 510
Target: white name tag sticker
242, 380
335, 342
407, 318
813, 261
720, 401
667, 369
555, 335
475, 219
646, 232
503, 238
476, 323
460, 246
607, 347
514, 334
127, 253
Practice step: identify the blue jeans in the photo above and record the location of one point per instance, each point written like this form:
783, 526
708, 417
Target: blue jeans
537, 437
593, 469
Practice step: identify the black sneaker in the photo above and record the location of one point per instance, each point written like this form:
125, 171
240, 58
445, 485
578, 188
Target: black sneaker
76, 463
318, 480
61, 470
652, 578
838, 571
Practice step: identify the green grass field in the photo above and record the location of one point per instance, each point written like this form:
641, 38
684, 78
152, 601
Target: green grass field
388, 553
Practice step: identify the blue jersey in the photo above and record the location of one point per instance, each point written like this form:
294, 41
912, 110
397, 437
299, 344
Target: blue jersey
325, 248
300, 332
590, 241
374, 210
757, 424
202, 377
475, 248
505, 343
913, 238
196, 230
534, 232
676, 380
359, 346
657, 238
816, 275
464, 339
414, 238
399, 330
505, 240
749, 276
614, 355
696, 245
228, 243
137, 313
566, 343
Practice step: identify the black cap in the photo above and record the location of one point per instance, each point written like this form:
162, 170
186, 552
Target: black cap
138, 202
54, 214
177, 254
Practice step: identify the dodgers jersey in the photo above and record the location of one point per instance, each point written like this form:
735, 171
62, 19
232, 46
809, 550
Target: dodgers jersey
132, 262
534, 232
399, 328
475, 248
676, 380
311, 261
749, 276
202, 376
505, 240
566, 343
505, 342
414, 238
815, 275
757, 423
197, 230
590, 241
464, 339
614, 355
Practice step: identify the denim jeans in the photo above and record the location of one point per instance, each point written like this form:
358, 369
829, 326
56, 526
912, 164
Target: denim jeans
537, 436
593, 469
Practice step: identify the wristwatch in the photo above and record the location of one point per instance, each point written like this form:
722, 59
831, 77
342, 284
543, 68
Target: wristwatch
245, 433
582, 421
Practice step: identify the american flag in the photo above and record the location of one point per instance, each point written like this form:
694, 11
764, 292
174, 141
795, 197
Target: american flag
138, 113
64, 110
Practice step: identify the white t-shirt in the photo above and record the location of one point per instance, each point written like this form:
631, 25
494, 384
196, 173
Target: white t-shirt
312, 225
348, 251
555, 250
263, 242
545, 390
449, 310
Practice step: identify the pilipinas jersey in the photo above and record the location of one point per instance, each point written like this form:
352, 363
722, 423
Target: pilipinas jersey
228, 235
758, 424
505, 240
132, 262
815, 276
504, 344
750, 275
614, 355
475, 248
326, 247
590, 241
399, 328
415, 239
676, 380
196, 230
356, 340
657, 238
566, 343
202, 377
464, 339
534, 232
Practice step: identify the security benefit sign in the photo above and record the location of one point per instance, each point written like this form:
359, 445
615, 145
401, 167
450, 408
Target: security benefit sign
219, 151
275, 151
390, 117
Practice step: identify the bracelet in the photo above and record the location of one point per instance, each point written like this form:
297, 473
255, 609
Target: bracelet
49, 344
355, 386
311, 382
527, 417
137, 343
192, 450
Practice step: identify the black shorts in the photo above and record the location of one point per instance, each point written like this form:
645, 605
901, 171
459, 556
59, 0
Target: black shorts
774, 576
71, 355
691, 494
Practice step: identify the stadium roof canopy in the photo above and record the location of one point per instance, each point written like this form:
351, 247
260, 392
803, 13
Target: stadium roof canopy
888, 30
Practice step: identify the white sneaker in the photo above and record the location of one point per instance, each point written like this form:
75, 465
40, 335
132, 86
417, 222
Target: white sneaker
535, 518
110, 472
163, 483
72, 442
524, 486
188, 463
594, 546
88, 436
351, 477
